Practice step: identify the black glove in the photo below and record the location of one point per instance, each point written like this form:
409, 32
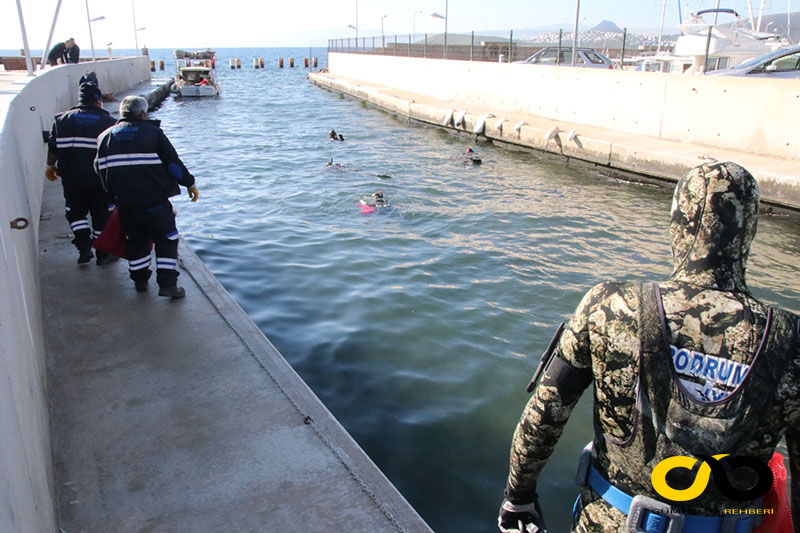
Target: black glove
521, 517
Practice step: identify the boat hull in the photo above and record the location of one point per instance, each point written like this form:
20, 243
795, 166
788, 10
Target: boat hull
198, 90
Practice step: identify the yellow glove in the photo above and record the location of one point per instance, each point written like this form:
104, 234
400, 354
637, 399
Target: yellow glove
51, 173
194, 194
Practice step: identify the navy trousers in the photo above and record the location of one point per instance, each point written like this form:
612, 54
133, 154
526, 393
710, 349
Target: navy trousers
142, 225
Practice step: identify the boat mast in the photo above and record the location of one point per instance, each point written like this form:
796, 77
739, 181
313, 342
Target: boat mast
752, 18
761, 14
661, 29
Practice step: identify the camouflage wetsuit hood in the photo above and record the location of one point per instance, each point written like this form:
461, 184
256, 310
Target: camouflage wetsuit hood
620, 337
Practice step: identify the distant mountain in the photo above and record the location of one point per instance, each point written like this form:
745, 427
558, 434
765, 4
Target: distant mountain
607, 26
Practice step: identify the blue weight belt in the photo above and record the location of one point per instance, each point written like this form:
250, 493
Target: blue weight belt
652, 522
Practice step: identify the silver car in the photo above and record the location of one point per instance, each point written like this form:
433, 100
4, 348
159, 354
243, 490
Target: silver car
585, 57
783, 63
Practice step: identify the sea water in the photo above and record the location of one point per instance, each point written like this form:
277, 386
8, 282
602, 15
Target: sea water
419, 326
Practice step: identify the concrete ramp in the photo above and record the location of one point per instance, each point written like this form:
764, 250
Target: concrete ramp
181, 416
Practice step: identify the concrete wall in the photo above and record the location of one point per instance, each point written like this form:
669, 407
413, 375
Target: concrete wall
27, 107
753, 115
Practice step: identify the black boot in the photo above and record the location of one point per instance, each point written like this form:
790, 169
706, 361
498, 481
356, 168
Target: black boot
85, 256
104, 258
173, 292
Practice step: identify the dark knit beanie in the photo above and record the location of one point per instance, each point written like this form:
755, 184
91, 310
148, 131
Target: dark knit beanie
90, 93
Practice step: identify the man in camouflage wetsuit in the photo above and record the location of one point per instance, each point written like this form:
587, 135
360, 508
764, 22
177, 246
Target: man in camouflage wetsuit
695, 366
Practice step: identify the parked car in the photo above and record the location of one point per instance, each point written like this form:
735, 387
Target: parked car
783, 63
585, 57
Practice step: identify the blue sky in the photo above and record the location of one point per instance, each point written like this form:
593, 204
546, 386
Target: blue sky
234, 23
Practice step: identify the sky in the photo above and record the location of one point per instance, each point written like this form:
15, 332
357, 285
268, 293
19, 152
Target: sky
249, 23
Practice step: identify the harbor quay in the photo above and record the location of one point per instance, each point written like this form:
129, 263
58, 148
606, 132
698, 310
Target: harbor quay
123, 411
636, 125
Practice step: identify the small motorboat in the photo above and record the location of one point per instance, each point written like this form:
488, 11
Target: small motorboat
197, 81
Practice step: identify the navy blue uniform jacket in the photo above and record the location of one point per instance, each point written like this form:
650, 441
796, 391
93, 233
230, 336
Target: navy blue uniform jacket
73, 139
138, 165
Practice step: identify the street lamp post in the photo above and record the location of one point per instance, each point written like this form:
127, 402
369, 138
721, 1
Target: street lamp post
91, 39
137, 40
575, 36
438, 16
135, 31
28, 60
414, 24
383, 40
353, 28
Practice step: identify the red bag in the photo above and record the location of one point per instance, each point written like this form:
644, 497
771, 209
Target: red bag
777, 500
112, 238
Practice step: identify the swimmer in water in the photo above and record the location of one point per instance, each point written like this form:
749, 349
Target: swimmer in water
377, 200
472, 157
333, 136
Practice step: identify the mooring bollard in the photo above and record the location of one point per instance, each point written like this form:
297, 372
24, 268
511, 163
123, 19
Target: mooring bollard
280, 62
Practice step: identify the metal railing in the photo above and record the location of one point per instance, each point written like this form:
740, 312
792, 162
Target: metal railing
628, 51
464, 47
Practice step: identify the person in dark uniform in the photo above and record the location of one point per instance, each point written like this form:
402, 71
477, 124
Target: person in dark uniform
71, 150
694, 367
141, 170
63, 53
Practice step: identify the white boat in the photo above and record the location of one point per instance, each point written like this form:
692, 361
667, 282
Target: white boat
197, 81
208, 53
727, 46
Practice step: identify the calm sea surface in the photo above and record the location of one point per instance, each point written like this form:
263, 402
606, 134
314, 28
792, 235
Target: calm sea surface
418, 326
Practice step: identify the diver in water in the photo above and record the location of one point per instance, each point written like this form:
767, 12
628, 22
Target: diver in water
331, 164
377, 200
471, 158
693, 367
333, 136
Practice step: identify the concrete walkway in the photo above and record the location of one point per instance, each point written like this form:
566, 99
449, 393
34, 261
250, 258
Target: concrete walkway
633, 156
181, 416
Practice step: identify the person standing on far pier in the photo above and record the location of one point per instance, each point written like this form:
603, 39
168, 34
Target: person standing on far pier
141, 170
71, 150
691, 368
63, 53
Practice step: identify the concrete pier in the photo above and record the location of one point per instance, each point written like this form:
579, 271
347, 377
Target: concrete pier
125, 411
181, 416
636, 148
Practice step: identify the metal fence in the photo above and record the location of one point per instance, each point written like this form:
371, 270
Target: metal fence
472, 47
723, 48
460, 47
